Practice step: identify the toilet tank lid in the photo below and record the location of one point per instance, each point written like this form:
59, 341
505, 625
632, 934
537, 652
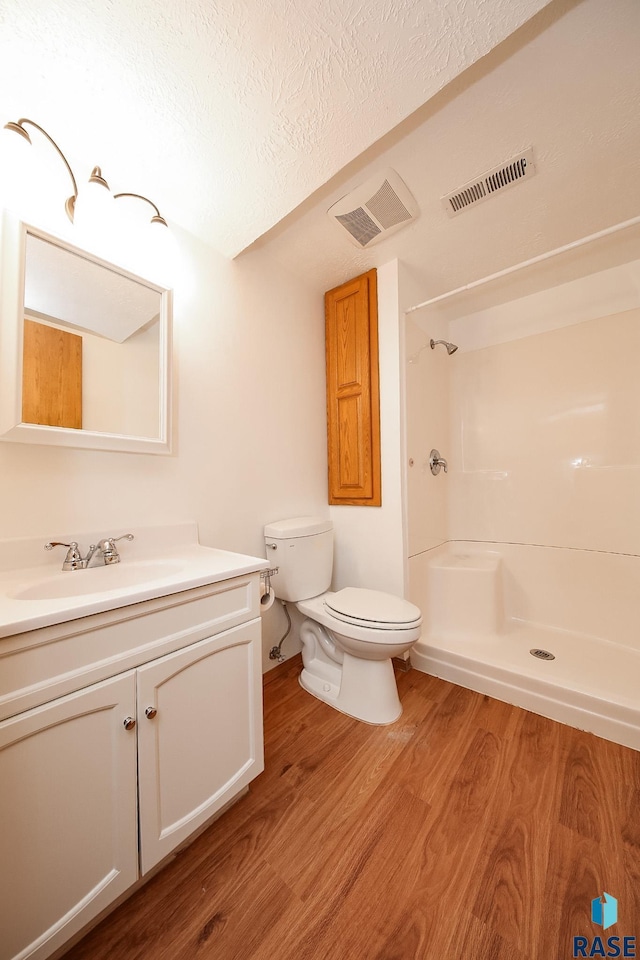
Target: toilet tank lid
297, 527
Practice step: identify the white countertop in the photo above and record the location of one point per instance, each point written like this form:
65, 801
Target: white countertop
160, 561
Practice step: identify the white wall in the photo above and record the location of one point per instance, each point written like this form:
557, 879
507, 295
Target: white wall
250, 438
120, 383
369, 549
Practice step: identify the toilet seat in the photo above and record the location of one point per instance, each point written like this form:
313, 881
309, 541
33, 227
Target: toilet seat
373, 609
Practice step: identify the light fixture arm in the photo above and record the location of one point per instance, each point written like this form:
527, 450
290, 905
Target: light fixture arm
70, 203
96, 174
158, 218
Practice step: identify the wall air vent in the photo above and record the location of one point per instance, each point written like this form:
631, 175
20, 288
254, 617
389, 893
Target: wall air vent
375, 210
494, 181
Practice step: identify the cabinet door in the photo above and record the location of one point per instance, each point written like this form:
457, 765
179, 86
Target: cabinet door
199, 735
353, 404
67, 815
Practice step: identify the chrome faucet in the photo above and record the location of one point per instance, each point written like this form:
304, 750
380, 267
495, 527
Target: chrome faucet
74, 559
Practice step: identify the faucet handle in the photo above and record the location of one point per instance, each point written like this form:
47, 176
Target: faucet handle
108, 548
73, 559
57, 543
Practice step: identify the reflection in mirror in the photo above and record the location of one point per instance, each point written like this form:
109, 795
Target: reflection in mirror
105, 376
92, 350
68, 288
51, 376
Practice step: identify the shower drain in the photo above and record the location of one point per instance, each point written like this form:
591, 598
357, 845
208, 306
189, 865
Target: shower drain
542, 654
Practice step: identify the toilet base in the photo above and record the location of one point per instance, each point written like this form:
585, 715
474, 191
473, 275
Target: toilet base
363, 689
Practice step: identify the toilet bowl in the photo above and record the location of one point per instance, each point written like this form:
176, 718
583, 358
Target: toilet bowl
349, 637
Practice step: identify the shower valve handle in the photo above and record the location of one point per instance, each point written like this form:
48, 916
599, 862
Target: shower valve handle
436, 461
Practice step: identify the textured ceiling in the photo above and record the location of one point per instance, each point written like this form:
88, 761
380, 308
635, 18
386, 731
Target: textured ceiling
229, 114
568, 84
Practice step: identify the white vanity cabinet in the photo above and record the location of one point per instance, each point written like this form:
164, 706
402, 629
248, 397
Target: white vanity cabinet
149, 715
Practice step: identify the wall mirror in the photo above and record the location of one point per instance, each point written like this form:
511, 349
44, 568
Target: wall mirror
85, 348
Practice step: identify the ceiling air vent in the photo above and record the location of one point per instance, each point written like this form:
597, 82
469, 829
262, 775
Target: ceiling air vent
494, 181
375, 210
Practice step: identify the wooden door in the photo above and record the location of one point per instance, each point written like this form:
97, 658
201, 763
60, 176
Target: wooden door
204, 741
353, 402
51, 376
68, 815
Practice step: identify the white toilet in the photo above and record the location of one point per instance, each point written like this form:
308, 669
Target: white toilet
349, 637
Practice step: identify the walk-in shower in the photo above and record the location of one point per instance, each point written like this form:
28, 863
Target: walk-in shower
530, 544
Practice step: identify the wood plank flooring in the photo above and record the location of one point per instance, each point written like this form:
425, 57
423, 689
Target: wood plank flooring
468, 829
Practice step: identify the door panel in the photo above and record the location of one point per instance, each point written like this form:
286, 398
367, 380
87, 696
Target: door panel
205, 741
68, 792
353, 404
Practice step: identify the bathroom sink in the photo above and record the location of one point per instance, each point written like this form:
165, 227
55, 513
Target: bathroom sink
96, 580
160, 561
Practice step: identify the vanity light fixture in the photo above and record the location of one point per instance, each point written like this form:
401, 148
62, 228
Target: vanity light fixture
157, 218
18, 128
96, 177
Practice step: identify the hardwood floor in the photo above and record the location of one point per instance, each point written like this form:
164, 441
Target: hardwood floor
467, 829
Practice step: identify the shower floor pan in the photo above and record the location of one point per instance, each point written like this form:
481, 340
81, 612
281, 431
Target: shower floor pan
592, 684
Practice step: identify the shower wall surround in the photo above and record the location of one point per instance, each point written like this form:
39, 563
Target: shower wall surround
545, 438
531, 542
542, 435
427, 425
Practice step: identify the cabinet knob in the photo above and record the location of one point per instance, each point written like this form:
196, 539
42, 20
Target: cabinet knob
128, 723
150, 713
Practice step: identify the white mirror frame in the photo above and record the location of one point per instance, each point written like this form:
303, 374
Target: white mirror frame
12, 427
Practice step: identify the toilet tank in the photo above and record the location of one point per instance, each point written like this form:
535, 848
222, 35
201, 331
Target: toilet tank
302, 549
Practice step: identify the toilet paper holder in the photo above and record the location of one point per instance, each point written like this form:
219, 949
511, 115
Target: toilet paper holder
267, 594
266, 576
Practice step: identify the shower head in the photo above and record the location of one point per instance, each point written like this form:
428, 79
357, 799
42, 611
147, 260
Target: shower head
451, 347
